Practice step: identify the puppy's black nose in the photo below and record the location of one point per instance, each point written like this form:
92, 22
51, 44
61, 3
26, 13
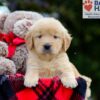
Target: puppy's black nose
47, 46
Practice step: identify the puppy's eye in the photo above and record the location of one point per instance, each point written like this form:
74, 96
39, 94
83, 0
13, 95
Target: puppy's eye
40, 36
55, 36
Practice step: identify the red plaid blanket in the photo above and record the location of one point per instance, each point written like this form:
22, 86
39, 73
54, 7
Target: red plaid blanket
12, 88
47, 89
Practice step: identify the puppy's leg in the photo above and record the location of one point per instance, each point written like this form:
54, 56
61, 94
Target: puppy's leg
68, 78
64, 66
31, 77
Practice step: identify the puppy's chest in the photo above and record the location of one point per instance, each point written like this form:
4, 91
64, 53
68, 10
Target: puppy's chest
49, 70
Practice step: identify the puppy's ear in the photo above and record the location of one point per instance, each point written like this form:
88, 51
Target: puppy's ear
66, 41
29, 41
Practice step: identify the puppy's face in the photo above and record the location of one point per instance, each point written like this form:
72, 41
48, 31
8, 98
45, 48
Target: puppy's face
47, 44
48, 37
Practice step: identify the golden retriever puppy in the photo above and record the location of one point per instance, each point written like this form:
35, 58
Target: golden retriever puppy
47, 42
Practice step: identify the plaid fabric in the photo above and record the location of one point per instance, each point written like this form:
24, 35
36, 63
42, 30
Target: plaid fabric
48, 89
51, 90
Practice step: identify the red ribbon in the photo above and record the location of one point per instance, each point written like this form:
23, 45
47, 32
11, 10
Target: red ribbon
12, 41
1, 36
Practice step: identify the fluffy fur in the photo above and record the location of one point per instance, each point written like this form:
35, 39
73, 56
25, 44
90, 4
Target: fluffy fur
48, 31
21, 27
3, 17
55, 62
19, 15
20, 24
3, 49
6, 66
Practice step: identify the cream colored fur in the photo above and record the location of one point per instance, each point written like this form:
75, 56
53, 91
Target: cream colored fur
55, 63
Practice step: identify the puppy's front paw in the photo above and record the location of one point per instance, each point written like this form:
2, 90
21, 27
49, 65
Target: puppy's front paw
69, 82
31, 82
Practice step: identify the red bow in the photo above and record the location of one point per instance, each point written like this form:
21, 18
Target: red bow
12, 41
1, 36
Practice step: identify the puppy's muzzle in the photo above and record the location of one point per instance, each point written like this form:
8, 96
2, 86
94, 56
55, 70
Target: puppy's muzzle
47, 48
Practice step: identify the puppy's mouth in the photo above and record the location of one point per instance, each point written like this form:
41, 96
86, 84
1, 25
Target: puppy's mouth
47, 51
